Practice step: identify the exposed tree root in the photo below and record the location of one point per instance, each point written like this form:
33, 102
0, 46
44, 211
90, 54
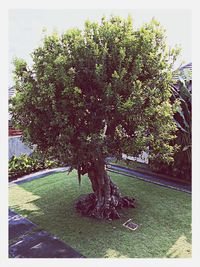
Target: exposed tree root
88, 205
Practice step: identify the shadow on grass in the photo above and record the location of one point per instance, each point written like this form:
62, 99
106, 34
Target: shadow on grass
164, 216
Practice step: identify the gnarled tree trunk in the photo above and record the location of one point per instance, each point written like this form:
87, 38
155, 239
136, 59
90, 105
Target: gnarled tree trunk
106, 199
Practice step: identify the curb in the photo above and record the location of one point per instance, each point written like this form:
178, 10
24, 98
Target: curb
36, 175
148, 178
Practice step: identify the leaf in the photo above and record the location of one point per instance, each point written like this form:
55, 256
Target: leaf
79, 174
181, 80
183, 117
186, 147
180, 127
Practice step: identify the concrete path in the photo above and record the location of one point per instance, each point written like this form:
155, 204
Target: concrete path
26, 240
18, 225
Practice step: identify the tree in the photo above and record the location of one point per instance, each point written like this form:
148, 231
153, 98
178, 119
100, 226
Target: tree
94, 93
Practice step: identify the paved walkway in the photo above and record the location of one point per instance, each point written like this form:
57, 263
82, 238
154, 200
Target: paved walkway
26, 240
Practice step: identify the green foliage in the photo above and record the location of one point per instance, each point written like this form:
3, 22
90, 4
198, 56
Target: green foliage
181, 167
183, 160
183, 116
22, 165
102, 90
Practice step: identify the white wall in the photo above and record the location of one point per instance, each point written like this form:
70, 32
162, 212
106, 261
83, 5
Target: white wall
17, 147
143, 157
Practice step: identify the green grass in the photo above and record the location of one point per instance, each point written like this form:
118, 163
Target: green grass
164, 216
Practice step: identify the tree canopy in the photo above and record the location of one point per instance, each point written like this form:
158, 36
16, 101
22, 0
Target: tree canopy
104, 89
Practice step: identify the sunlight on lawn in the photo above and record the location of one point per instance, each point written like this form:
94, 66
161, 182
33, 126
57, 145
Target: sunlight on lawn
181, 249
111, 253
23, 199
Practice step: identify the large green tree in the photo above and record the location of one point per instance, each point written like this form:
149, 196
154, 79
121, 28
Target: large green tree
95, 93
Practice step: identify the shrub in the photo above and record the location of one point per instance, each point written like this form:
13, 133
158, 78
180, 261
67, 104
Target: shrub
181, 167
24, 164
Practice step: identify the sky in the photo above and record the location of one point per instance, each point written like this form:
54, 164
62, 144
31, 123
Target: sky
26, 27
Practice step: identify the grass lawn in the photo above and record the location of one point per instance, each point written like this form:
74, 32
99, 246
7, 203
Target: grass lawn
164, 216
